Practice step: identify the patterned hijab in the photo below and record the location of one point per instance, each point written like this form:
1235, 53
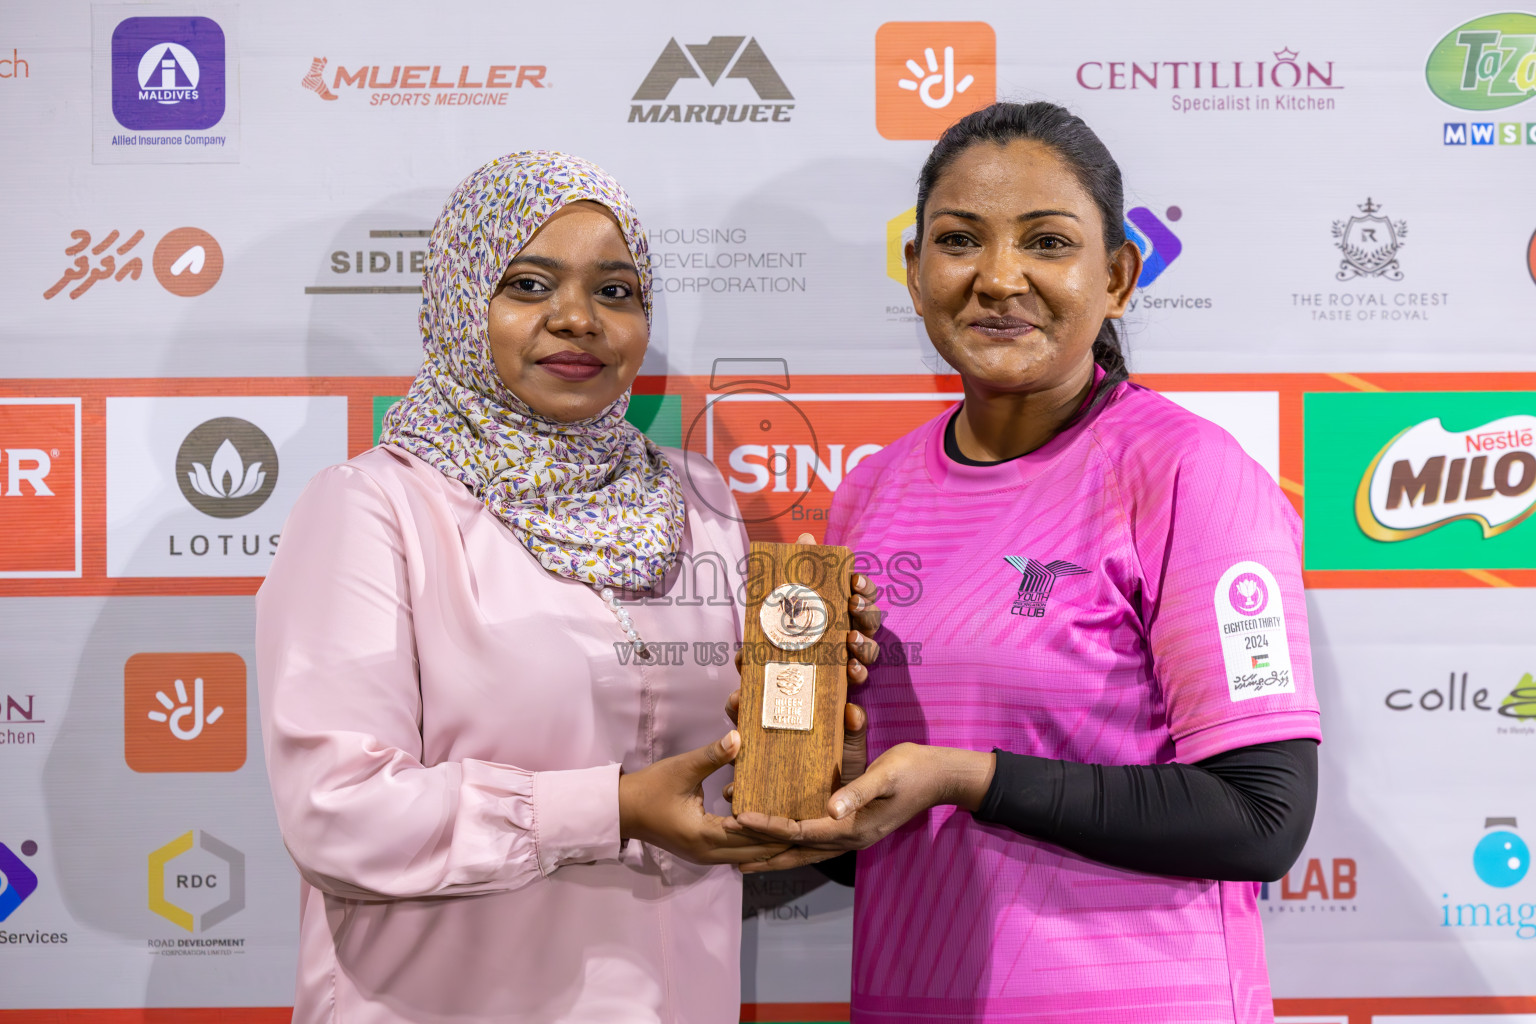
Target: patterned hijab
593, 500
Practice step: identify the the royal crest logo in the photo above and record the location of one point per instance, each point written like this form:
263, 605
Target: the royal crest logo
1428, 476
1039, 580
1369, 243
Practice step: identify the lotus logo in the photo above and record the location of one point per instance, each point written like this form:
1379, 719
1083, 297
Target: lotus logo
1428, 476
227, 467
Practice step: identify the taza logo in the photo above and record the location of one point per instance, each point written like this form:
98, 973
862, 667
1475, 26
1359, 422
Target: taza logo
226, 467
1369, 243
1428, 476
1485, 64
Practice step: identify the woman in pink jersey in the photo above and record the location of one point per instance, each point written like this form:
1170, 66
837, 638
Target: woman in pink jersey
1108, 734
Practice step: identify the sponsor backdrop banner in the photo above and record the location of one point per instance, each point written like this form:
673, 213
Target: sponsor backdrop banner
216, 223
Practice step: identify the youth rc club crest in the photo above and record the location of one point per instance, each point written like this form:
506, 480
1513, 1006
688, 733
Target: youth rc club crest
1369, 243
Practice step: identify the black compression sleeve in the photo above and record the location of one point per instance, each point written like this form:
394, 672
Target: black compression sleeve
1239, 816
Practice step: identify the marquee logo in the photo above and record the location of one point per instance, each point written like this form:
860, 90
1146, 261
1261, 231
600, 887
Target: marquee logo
1428, 476
184, 712
168, 73
722, 58
40, 492
1486, 64
226, 467
929, 74
221, 873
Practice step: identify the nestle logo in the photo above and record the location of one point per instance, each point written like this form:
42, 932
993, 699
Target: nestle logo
1497, 440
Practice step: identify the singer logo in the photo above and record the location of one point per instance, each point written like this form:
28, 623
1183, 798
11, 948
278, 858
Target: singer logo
1428, 476
929, 74
40, 487
184, 712
783, 455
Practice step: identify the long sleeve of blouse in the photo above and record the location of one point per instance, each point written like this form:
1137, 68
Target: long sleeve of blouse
364, 812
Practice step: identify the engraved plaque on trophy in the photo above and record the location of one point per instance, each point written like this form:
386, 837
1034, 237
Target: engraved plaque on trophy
794, 679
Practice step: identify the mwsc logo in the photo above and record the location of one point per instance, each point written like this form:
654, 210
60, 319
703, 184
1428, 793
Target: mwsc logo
1486, 64
211, 866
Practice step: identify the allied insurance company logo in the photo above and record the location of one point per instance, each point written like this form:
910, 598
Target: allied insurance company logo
929, 74
168, 73
184, 712
186, 261
40, 492
196, 881
1390, 475
1488, 63
1158, 245
724, 62
424, 85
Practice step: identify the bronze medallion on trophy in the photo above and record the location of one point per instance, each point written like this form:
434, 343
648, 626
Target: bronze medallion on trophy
794, 679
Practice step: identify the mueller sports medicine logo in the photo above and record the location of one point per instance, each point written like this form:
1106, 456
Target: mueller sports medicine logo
1038, 582
726, 63
184, 712
929, 74
1369, 243
226, 467
1428, 476
40, 491
424, 85
196, 881
1281, 83
168, 73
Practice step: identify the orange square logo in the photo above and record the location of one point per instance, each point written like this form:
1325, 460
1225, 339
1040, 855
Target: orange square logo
930, 74
184, 712
40, 487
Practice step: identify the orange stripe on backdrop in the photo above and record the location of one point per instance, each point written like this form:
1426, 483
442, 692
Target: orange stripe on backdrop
694, 392
179, 1015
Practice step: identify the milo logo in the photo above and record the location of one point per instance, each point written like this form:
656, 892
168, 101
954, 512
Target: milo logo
1428, 476
1488, 63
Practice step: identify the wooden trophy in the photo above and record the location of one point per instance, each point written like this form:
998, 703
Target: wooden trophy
794, 679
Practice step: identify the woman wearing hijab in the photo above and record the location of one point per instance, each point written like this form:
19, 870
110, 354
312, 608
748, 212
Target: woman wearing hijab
502, 803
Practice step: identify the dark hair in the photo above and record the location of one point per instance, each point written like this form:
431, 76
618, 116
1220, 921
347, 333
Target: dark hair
1074, 142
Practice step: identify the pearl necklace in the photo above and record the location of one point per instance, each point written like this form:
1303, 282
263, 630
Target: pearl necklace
611, 599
